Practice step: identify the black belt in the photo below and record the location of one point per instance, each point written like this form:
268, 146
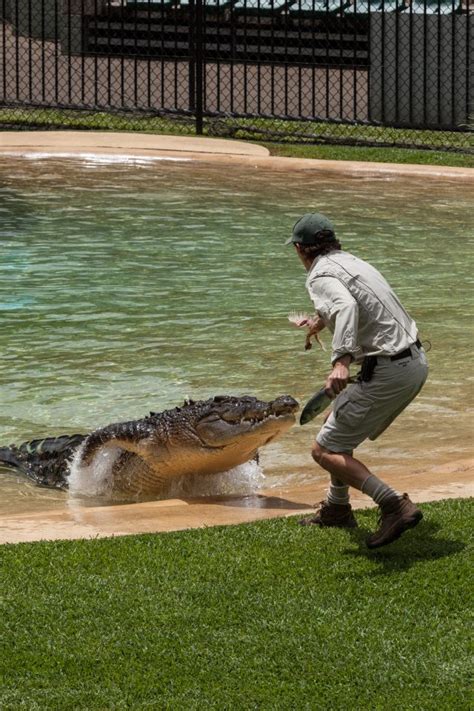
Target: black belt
406, 353
368, 364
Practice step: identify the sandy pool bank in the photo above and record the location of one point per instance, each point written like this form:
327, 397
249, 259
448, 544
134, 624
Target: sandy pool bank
141, 146
446, 481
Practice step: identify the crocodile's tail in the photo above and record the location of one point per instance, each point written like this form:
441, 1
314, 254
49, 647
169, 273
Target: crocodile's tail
46, 461
7, 456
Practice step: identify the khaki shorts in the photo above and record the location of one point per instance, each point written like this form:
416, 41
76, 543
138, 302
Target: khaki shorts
365, 410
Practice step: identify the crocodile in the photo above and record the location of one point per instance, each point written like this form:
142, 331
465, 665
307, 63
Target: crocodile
199, 438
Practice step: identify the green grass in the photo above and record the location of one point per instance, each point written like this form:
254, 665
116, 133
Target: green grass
95, 120
286, 138
306, 132
375, 155
258, 616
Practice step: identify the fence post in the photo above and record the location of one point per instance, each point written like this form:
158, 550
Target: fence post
199, 65
192, 57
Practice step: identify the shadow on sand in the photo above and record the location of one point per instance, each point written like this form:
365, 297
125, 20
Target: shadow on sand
252, 501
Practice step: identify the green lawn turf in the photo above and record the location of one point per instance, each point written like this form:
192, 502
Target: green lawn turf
373, 154
268, 615
299, 140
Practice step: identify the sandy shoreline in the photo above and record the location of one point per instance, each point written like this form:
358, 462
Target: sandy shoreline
87, 144
446, 481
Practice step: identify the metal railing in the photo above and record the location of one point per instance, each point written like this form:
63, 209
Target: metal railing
391, 72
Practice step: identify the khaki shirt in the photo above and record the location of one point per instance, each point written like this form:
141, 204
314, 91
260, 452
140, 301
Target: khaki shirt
359, 307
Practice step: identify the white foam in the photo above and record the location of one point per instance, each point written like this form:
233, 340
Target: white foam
95, 158
243, 479
96, 478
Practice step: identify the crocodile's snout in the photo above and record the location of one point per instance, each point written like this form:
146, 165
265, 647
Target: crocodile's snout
284, 404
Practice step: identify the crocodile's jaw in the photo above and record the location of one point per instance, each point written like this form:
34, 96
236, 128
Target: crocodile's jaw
241, 445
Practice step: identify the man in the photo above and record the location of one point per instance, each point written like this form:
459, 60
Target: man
371, 328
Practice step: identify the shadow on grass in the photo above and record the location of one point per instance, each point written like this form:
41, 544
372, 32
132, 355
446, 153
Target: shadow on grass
420, 544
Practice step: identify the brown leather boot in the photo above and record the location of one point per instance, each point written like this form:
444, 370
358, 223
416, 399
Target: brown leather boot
397, 516
339, 515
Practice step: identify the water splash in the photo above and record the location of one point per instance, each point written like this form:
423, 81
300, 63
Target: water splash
96, 480
243, 479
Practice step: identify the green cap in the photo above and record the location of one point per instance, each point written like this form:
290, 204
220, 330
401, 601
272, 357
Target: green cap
305, 231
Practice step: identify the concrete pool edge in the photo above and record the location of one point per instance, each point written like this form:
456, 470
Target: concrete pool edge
86, 144
445, 481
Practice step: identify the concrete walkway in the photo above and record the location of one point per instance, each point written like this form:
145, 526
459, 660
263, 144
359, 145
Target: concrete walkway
215, 150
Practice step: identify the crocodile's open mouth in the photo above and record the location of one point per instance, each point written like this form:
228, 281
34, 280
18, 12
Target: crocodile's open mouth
255, 419
252, 417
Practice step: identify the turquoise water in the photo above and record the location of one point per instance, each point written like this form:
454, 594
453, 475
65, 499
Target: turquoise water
126, 287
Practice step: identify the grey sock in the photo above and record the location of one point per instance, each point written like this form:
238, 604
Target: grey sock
378, 490
338, 492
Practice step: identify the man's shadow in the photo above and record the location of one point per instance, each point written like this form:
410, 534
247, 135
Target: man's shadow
417, 545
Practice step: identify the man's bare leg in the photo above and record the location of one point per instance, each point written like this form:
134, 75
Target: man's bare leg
398, 513
352, 472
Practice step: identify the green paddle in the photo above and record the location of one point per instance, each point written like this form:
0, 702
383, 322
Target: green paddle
314, 406
317, 404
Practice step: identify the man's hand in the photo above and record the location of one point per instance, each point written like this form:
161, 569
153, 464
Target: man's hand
339, 377
314, 326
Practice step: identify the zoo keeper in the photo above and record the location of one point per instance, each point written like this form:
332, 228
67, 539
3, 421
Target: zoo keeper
371, 328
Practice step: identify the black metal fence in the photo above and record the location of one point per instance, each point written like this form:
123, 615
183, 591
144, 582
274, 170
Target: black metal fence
391, 72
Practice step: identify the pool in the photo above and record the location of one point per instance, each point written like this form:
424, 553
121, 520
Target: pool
127, 287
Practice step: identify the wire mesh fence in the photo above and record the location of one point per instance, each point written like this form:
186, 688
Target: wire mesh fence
390, 72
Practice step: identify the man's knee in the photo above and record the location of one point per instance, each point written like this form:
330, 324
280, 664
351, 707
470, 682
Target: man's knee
319, 454
324, 457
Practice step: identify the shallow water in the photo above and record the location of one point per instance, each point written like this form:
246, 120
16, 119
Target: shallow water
125, 288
